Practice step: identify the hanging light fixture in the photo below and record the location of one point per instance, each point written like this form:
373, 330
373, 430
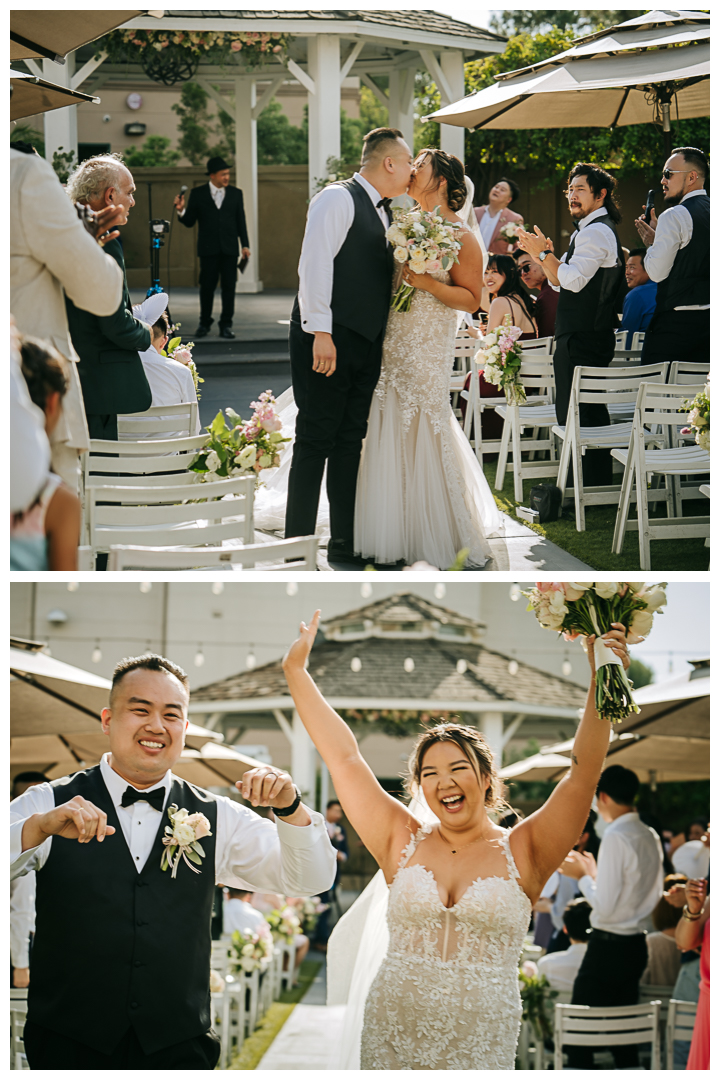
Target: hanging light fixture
439, 591
96, 653
515, 591
218, 588
199, 657
250, 660
409, 664
513, 667
291, 588
461, 666
356, 664
145, 586
73, 586
366, 590
566, 668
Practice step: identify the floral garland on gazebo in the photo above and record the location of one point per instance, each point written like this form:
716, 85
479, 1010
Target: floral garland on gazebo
171, 56
396, 722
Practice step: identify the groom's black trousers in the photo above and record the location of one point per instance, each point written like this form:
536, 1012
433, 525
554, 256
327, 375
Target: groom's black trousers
331, 425
47, 1049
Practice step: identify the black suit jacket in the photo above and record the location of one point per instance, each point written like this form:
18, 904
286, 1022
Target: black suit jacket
111, 372
218, 230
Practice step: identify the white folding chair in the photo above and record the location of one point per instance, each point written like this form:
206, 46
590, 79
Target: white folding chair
543, 344
601, 1026
476, 405
218, 1013
621, 339
538, 413
661, 406
638, 339
680, 1027
18, 1013
598, 386
176, 420
687, 372
199, 515
287, 970
465, 348
275, 555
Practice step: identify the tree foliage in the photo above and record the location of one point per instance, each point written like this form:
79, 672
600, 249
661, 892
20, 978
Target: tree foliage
201, 135
640, 673
30, 135
154, 151
574, 22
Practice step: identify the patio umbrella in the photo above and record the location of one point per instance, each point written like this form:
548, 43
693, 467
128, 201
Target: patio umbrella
53, 34
214, 766
676, 708
32, 95
537, 767
628, 76
659, 759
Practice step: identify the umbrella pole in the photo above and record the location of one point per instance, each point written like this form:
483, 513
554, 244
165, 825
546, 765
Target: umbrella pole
667, 130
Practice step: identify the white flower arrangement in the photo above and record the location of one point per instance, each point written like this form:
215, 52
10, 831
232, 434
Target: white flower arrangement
182, 839
253, 948
509, 231
427, 242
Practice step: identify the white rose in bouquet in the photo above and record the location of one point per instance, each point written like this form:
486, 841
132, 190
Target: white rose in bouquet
635, 586
640, 626
246, 458
490, 339
575, 589
607, 589
400, 254
396, 236
179, 816
655, 598
703, 440
417, 266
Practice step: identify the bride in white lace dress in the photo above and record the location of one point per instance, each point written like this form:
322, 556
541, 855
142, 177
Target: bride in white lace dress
461, 890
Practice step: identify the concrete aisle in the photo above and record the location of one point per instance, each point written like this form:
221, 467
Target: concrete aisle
309, 1040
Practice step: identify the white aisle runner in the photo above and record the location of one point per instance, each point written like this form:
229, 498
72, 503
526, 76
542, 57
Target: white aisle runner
309, 1040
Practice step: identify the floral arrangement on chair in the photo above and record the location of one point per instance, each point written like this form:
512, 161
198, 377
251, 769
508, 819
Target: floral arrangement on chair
500, 357
253, 949
284, 923
536, 995
308, 910
699, 418
244, 446
183, 354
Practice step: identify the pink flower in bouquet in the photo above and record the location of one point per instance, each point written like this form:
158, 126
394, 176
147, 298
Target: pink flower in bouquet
182, 355
571, 635
433, 266
277, 48
236, 46
529, 969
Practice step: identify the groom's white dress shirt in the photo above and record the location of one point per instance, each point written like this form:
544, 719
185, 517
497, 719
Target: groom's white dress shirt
330, 215
250, 851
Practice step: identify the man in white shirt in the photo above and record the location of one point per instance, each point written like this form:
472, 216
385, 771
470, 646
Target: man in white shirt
239, 914
22, 902
623, 888
336, 334
678, 258
561, 968
113, 919
170, 381
591, 279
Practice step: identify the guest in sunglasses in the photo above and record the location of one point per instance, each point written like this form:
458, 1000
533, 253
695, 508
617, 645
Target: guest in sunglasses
546, 298
678, 259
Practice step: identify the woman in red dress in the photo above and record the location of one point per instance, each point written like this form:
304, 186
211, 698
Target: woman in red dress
694, 930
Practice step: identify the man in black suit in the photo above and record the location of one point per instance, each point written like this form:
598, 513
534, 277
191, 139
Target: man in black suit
111, 373
218, 208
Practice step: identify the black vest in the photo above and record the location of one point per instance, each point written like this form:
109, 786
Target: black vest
689, 279
362, 270
134, 947
595, 307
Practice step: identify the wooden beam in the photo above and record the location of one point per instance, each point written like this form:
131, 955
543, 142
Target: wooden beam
354, 53
87, 69
217, 98
301, 76
284, 725
267, 95
34, 68
434, 69
379, 94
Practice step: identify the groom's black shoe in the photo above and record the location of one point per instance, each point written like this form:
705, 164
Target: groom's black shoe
202, 331
226, 332
342, 551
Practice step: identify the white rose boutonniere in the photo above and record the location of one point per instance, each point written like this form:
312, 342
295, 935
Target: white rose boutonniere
182, 838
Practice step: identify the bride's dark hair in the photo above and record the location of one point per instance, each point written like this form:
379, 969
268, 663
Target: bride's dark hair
475, 748
448, 167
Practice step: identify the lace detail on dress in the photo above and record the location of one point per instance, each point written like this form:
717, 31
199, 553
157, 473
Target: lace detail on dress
446, 995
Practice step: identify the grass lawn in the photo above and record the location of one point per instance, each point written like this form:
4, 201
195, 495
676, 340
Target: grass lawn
594, 546
256, 1045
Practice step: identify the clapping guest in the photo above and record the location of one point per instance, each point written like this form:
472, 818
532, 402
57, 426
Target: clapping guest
47, 534
693, 932
568, 888
639, 303
497, 213
561, 968
663, 965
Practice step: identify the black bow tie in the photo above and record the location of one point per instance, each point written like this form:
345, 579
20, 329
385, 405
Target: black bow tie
385, 203
156, 798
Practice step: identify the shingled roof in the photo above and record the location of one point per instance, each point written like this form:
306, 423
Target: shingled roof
430, 21
382, 674
401, 609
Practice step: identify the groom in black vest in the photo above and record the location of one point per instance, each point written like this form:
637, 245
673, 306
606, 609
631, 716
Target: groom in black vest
120, 969
591, 279
336, 334
218, 209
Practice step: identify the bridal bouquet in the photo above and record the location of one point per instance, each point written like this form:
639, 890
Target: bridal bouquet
308, 909
699, 418
253, 949
425, 241
510, 229
583, 608
183, 354
500, 358
284, 924
245, 445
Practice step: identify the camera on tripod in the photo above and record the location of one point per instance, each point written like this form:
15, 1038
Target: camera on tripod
158, 228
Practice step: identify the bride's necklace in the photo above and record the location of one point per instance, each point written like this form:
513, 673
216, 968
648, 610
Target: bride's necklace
454, 850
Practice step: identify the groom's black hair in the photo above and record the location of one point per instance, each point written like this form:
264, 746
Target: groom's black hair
150, 661
372, 142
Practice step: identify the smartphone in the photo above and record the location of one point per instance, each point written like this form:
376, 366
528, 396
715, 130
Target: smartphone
649, 206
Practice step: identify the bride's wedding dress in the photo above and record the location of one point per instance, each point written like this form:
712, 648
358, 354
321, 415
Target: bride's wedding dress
446, 994
421, 492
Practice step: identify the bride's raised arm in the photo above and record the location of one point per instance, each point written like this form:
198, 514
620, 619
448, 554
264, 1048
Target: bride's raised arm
545, 837
380, 821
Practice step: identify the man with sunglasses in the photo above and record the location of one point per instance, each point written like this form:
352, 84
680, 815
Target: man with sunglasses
534, 278
678, 259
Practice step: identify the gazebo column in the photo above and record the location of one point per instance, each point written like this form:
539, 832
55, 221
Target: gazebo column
303, 761
246, 178
323, 105
402, 101
452, 139
60, 124
491, 725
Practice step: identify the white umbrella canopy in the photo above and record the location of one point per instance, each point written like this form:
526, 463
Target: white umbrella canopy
537, 767
53, 34
675, 709
599, 91
660, 759
214, 766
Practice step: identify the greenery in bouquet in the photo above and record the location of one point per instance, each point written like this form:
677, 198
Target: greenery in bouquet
427, 242
308, 910
284, 923
536, 995
216, 46
252, 949
581, 609
500, 357
243, 446
699, 418
183, 354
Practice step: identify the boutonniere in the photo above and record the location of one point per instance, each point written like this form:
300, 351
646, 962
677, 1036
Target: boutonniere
182, 838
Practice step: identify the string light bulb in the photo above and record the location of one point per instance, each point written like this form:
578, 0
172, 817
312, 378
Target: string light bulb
96, 653
566, 668
513, 667
439, 591
218, 588
366, 590
291, 588
250, 660
199, 659
73, 586
145, 586
461, 667
409, 664
515, 591
356, 664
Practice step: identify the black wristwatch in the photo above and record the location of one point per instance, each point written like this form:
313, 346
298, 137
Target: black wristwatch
544, 254
288, 810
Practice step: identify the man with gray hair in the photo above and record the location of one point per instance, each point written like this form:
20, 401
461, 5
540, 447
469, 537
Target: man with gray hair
111, 371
